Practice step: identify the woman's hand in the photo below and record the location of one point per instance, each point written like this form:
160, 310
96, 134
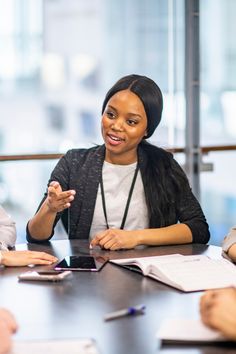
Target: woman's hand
8, 326
24, 258
218, 311
41, 225
115, 239
57, 200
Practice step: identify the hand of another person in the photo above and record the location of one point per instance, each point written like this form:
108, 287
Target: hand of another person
57, 200
8, 326
114, 239
232, 252
24, 258
218, 311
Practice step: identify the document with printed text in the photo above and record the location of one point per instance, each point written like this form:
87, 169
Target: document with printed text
186, 273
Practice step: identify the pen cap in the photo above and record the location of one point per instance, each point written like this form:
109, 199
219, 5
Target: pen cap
136, 309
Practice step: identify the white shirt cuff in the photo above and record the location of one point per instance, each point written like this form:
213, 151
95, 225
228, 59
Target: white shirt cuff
3, 246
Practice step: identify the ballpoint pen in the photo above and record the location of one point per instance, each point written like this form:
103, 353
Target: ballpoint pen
130, 311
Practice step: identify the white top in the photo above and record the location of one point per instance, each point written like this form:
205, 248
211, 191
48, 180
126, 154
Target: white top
7, 230
117, 180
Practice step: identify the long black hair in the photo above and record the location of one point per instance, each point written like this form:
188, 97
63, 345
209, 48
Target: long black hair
163, 177
163, 180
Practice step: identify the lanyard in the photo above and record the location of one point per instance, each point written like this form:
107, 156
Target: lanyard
127, 203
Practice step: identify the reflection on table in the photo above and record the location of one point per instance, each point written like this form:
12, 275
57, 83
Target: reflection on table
76, 307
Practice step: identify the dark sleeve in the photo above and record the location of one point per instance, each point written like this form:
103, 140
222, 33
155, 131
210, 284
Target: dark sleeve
61, 174
189, 211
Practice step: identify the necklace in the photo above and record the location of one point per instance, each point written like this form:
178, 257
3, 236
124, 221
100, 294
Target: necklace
127, 203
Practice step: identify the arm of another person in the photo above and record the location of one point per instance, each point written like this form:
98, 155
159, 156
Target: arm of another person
8, 326
24, 258
229, 245
7, 230
218, 311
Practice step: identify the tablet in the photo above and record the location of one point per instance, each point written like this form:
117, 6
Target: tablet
81, 263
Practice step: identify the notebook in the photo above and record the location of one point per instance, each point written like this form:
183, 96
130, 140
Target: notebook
186, 273
187, 331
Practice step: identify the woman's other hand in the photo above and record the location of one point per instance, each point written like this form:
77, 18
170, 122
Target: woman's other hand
115, 239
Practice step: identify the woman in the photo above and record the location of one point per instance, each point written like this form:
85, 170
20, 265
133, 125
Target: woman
126, 192
8, 326
17, 258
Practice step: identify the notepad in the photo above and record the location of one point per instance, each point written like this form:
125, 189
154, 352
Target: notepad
186, 273
187, 331
60, 346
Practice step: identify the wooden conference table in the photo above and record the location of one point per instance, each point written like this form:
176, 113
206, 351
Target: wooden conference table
75, 308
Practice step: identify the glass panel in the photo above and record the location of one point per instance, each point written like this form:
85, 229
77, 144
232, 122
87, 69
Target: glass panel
58, 60
22, 187
21, 45
218, 124
218, 72
57, 74
219, 194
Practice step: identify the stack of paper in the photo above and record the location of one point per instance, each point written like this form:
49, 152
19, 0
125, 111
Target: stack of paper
68, 346
187, 331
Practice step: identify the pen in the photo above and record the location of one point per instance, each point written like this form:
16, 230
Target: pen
130, 311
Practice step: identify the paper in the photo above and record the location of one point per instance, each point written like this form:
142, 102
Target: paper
193, 273
71, 346
186, 273
144, 263
187, 330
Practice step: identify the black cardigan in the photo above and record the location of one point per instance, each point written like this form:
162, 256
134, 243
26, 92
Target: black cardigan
81, 169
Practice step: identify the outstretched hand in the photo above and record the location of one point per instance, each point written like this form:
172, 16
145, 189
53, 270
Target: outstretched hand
57, 200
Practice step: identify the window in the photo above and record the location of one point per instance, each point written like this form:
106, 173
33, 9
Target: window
58, 59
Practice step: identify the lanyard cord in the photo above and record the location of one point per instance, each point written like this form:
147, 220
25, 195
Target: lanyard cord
127, 203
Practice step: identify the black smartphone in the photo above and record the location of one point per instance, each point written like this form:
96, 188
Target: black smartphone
81, 263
